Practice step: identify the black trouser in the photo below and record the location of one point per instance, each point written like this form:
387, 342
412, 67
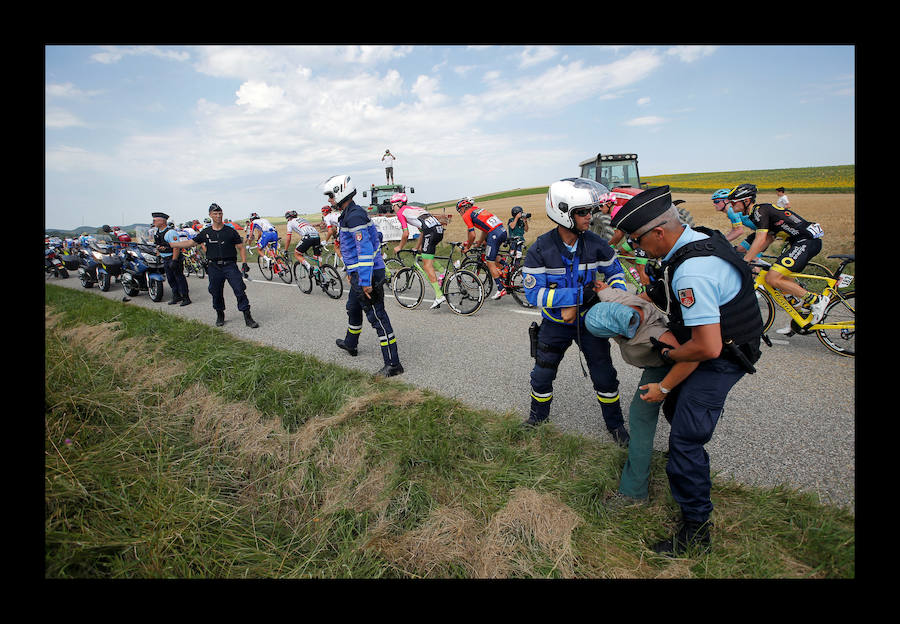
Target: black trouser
218, 274
373, 307
175, 276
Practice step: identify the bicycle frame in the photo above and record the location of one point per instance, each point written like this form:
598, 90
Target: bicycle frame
805, 323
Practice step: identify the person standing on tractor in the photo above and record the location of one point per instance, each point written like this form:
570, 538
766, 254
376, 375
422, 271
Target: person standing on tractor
388, 160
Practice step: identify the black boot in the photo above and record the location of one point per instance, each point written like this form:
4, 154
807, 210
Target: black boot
691, 536
620, 435
249, 320
186, 301
175, 299
340, 343
389, 370
220, 318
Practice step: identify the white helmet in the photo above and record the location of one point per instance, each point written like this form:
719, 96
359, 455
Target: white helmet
570, 194
340, 187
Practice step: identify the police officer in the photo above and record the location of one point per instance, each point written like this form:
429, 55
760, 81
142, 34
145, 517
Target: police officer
560, 271
172, 259
222, 246
706, 290
359, 243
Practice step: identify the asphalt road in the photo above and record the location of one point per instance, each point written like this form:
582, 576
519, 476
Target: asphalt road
793, 422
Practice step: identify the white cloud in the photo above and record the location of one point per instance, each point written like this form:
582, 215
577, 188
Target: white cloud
68, 91
58, 118
533, 55
643, 101
650, 120
689, 54
114, 54
260, 96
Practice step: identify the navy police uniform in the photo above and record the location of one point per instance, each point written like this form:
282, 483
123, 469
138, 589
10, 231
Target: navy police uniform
174, 268
360, 248
701, 281
221, 255
557, 277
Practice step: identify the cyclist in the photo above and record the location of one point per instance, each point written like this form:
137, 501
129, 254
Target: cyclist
518, 225
608, 206
268, 235
738, 221
309, 236
332, 229
492, 234
432, 233
365, 268
560, 274
804, 241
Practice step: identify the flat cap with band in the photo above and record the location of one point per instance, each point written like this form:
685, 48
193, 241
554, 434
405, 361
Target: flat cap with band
160, 215
641, 209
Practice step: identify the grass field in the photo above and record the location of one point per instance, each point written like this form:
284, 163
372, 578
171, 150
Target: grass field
175, 450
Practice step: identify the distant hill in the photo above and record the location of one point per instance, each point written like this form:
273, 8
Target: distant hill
92, 229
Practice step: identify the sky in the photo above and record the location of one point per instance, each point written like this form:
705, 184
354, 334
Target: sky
131, 130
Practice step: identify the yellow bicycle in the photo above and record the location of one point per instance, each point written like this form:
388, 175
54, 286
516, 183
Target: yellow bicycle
837, 327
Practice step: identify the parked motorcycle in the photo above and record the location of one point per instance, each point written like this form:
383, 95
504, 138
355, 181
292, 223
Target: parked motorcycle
53, 264
143, 271
111, 266
69, 258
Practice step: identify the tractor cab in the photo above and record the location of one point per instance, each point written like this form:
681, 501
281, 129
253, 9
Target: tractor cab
612, 170
380, 197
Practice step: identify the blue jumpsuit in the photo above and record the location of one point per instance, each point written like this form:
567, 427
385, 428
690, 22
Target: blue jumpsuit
360, 249
555, 278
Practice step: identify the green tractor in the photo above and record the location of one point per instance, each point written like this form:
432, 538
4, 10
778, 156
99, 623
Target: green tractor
380, 197
619, 173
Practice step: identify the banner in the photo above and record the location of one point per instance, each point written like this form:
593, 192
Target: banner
390, 228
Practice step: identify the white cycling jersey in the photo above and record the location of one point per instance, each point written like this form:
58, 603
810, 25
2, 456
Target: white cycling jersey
331, 220
263, 225
302, 227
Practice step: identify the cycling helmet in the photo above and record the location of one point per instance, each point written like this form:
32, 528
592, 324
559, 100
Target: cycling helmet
253, 216
720, 194
464, 204
570, 194
743, 191
207, 220
326, 210
106, 229
516, 210
290, 214
398, 198
340, 187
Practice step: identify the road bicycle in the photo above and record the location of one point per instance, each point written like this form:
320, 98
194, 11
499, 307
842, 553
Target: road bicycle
843, 273
274, 262
506, 260
193, 263
465, 293
323, 275
837, 327
391, 265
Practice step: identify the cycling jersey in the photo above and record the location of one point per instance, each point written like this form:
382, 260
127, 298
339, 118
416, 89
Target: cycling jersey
416, 217
331, 221
262, 225
739, 218
302, 227
775, 220
480, 218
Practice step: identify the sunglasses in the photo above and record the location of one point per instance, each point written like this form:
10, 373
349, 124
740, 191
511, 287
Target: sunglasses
637, 241
581, 212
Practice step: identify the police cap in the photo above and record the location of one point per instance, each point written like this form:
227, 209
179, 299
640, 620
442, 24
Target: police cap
642, 208
160, 215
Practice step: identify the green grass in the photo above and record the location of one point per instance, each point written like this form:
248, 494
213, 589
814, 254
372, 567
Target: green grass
316, 471
835, 179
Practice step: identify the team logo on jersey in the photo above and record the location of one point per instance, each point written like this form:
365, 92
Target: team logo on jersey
530, 281
686, 297
359, 236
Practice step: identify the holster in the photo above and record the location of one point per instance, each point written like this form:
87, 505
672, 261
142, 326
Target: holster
533, 338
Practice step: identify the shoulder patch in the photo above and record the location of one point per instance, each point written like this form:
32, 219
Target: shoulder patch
686, 297
530, 281
359, 236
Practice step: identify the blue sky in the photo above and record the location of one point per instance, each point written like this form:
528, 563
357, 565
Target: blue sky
130, 130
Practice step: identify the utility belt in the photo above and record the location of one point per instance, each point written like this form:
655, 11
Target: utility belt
221, 262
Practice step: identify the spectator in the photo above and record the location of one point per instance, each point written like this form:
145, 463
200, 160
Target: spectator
388, 160
783, 202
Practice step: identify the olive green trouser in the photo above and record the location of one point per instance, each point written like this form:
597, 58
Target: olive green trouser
642, 418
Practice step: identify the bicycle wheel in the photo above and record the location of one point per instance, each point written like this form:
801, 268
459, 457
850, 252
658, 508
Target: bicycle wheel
517, 289
766, 309
483, 273
391, 267
465, 292
284, 269
332, 283
302, 277
841, 340
265, 267
408, 287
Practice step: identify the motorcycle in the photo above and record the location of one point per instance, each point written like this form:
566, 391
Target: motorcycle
143, 270
70, 260
53, 264
110, 267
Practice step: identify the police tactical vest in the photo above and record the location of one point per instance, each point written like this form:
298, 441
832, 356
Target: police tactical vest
739, 319
160, 239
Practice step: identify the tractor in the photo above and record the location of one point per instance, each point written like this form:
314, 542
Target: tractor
380, 197
619, 173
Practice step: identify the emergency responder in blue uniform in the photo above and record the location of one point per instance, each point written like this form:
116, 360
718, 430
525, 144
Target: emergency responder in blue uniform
706, 290
172, 263
360, 250
559, 275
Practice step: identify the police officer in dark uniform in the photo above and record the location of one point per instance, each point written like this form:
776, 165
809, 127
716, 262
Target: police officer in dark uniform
706, 289
559, 277
173, 262
359, 242
223, 244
